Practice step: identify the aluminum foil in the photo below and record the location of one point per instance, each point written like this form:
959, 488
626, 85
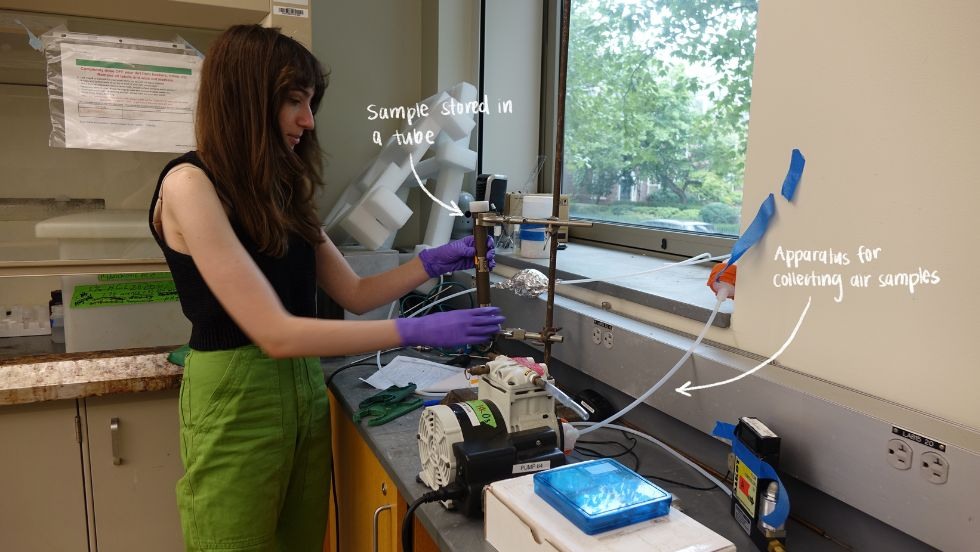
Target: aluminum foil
526, 283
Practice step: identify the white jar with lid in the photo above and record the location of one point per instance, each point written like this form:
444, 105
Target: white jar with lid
535, 240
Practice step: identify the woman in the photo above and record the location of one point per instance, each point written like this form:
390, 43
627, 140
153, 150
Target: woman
237, 224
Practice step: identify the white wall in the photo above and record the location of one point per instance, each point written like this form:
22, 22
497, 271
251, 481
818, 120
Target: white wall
880, 96
388, 53
374, 52
513, 72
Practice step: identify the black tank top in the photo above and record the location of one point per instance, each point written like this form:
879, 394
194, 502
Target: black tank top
293, 276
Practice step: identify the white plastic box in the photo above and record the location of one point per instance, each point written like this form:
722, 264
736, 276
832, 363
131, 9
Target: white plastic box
120, 326
517, 519
111, 234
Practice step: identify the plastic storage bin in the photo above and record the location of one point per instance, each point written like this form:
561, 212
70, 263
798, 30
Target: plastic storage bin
600, 495
111, 234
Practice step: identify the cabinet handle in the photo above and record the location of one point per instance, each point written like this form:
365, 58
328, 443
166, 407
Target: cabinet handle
374, 526
114, 439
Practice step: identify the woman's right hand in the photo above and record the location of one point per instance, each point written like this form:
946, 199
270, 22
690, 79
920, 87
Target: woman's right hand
450, 329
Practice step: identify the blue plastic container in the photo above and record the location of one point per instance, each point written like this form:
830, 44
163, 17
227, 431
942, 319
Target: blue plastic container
600, 495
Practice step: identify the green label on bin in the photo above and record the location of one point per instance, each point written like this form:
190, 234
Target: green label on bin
129, 293
135, 276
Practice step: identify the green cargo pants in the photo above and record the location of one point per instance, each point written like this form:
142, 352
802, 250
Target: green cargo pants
255, 443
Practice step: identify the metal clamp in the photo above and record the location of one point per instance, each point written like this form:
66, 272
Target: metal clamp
374, 526
114, 440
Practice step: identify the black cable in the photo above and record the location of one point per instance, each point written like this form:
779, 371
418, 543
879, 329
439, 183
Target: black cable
358, 362
630, 450
346, 367
597, 454
418, 300
686, 485
449, 492
590, 453
633, 442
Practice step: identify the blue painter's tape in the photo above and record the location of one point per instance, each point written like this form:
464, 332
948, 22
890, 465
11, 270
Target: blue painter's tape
796, 164
34, 41
778, 516
753, 233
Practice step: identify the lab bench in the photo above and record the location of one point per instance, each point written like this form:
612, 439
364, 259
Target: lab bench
63, 412
394, 445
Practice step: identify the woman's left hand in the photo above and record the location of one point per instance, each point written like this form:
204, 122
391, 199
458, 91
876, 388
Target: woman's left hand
455, 255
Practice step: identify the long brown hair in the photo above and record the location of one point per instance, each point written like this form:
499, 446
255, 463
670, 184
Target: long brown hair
266, 187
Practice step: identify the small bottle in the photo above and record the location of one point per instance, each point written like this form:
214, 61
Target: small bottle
57, 314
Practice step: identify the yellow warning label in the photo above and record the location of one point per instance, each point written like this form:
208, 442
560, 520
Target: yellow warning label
745, 486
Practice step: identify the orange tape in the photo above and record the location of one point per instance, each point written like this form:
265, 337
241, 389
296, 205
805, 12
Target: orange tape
728, 277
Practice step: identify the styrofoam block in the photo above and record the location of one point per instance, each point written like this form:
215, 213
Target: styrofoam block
392, 177
436, 100
464, 91
364, 228
426, 169
429, 124
450, 153
466, 123
448, 185
388, 209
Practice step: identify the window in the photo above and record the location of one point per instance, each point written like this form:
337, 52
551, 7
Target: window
656, 119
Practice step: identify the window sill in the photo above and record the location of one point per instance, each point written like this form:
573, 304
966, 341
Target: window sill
679, 291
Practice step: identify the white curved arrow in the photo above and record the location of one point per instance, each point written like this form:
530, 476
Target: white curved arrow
683, 390
454, 210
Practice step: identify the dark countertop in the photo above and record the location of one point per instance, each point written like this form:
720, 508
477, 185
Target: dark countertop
396, 447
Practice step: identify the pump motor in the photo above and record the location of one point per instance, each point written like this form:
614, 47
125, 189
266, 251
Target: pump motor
510, 430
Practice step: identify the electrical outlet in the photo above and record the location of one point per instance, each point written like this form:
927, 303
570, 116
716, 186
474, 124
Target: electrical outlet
607, 340
899, 454
596, 336
934, 468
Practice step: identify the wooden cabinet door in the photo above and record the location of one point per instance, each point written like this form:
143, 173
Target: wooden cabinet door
367, 497
370, 505
42, 500
133, 481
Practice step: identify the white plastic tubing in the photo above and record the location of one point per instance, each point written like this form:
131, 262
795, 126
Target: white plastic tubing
721, 296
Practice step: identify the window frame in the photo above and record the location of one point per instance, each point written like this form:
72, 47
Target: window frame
632, 237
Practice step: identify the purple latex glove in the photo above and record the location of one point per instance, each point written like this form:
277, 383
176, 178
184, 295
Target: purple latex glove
450, 329
455, 255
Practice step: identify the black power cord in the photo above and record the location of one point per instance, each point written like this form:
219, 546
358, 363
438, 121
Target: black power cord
678, 483
358, 362
449, 492
629, 450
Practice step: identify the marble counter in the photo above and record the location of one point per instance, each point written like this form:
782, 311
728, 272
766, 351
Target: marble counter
73, 376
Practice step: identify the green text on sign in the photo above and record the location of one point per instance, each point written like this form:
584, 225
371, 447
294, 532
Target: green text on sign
128, 293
